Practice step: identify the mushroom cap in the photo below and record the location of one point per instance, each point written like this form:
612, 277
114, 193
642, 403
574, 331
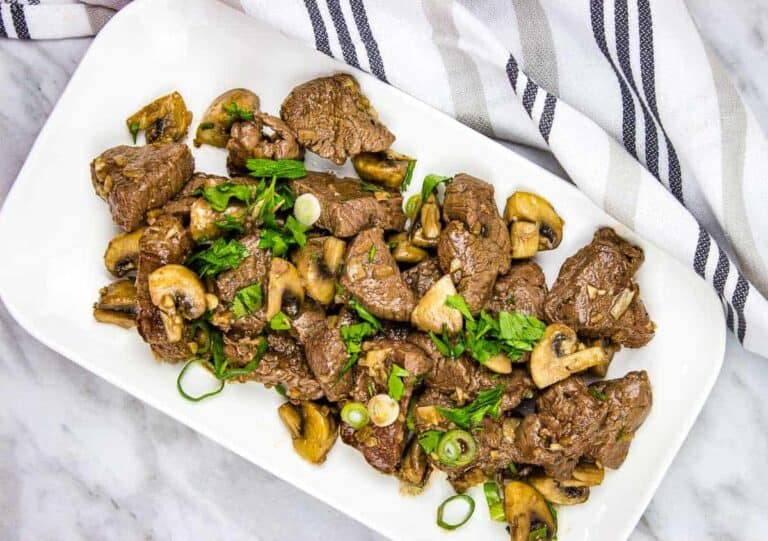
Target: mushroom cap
558, 355
283, 277
558, 493
318, 282
175, 288
431, 312
529, 207
216, 122
386, 168
524, 507
122, 253
313, 429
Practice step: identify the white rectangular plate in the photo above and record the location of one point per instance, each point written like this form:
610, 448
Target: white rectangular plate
53, 231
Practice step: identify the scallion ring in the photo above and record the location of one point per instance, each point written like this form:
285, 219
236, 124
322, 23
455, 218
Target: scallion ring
307, 209
456, 448
203, 396
355, 415
494, 501
441, 510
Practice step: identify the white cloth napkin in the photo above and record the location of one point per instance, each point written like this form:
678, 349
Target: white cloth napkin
627, 97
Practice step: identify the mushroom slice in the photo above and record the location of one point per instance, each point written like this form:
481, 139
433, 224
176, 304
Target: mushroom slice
203, 219
528, 207
415, 468
610, 347
555, 492
428, 415
418, 238
388, 168
318, 282
525, 239
232, 105
431, 312
179, 294
165, 120
122, 254
527, 511
313, 429
405, 252
429, 217
121, 319
283, 279
586, 474
333, 253
499, 363
557, 356
119, 296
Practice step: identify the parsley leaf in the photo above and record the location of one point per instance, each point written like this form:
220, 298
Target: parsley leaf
395, 381
429, 440
259, 167
487, 402
597, 394
247, 300
365, 315
353, 336
280, 322
134, 129
230, 223
218, 196
540, 533
408, 176
207, 126
297, 230
372, 253
280, 239
222, 255
458, 302
234, 112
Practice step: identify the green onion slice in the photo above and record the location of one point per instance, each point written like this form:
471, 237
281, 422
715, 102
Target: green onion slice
494, 501
456, 448
452, 526
200, 397
355, 415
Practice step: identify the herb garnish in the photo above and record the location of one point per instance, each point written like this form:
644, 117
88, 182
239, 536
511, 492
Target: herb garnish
280, 322
512, 468
134, 129
597, 394
259, 167
487, 402
446, 347
230, 223
372, 253
353, 336
429, 440
222, 255
207, 126
247, 300
395, 381
218, 196
539, 533
408, 176
364, 314
234, 112
280, 239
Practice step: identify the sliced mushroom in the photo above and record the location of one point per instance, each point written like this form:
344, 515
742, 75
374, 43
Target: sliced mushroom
316, 279
122, 254
499, 363
179, 294
527, 511
121, 319
429, 216
405, 252
203, 219
222, 112
555, 492
284, 285
610, 347
313, 429
558, 355
117, 304
419, 239
165, 120
586, 474
428, 416
333, 254
431, 312
525, 239
528, 207
415, 468
387, 168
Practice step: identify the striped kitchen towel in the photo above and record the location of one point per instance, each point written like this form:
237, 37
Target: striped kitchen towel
627, 97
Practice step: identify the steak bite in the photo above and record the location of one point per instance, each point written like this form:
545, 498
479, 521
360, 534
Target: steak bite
326, 355
595, 293
372, 277
248, 140
253, 269
333, 119
422, 276
383, 446
134, 180
472, 261
165, 242
472, 202
629, 401
523, 289
346, 208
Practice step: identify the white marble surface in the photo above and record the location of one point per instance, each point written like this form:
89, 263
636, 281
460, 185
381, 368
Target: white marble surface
80, 459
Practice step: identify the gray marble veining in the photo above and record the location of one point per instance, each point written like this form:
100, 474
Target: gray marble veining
80, 459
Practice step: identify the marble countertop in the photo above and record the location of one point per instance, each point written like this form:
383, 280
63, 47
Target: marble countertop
80, 459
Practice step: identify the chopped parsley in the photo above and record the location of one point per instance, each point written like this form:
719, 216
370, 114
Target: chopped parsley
221, 256
207, 126
429, 440
218, 196
280, 322
247, 300
395, 381
597, 394
408, 176
372, 253
235, 112
134, 129
487, 402
539, 533
446, 347
364, 314
280, 239
353, 336
230, 223
259, 167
